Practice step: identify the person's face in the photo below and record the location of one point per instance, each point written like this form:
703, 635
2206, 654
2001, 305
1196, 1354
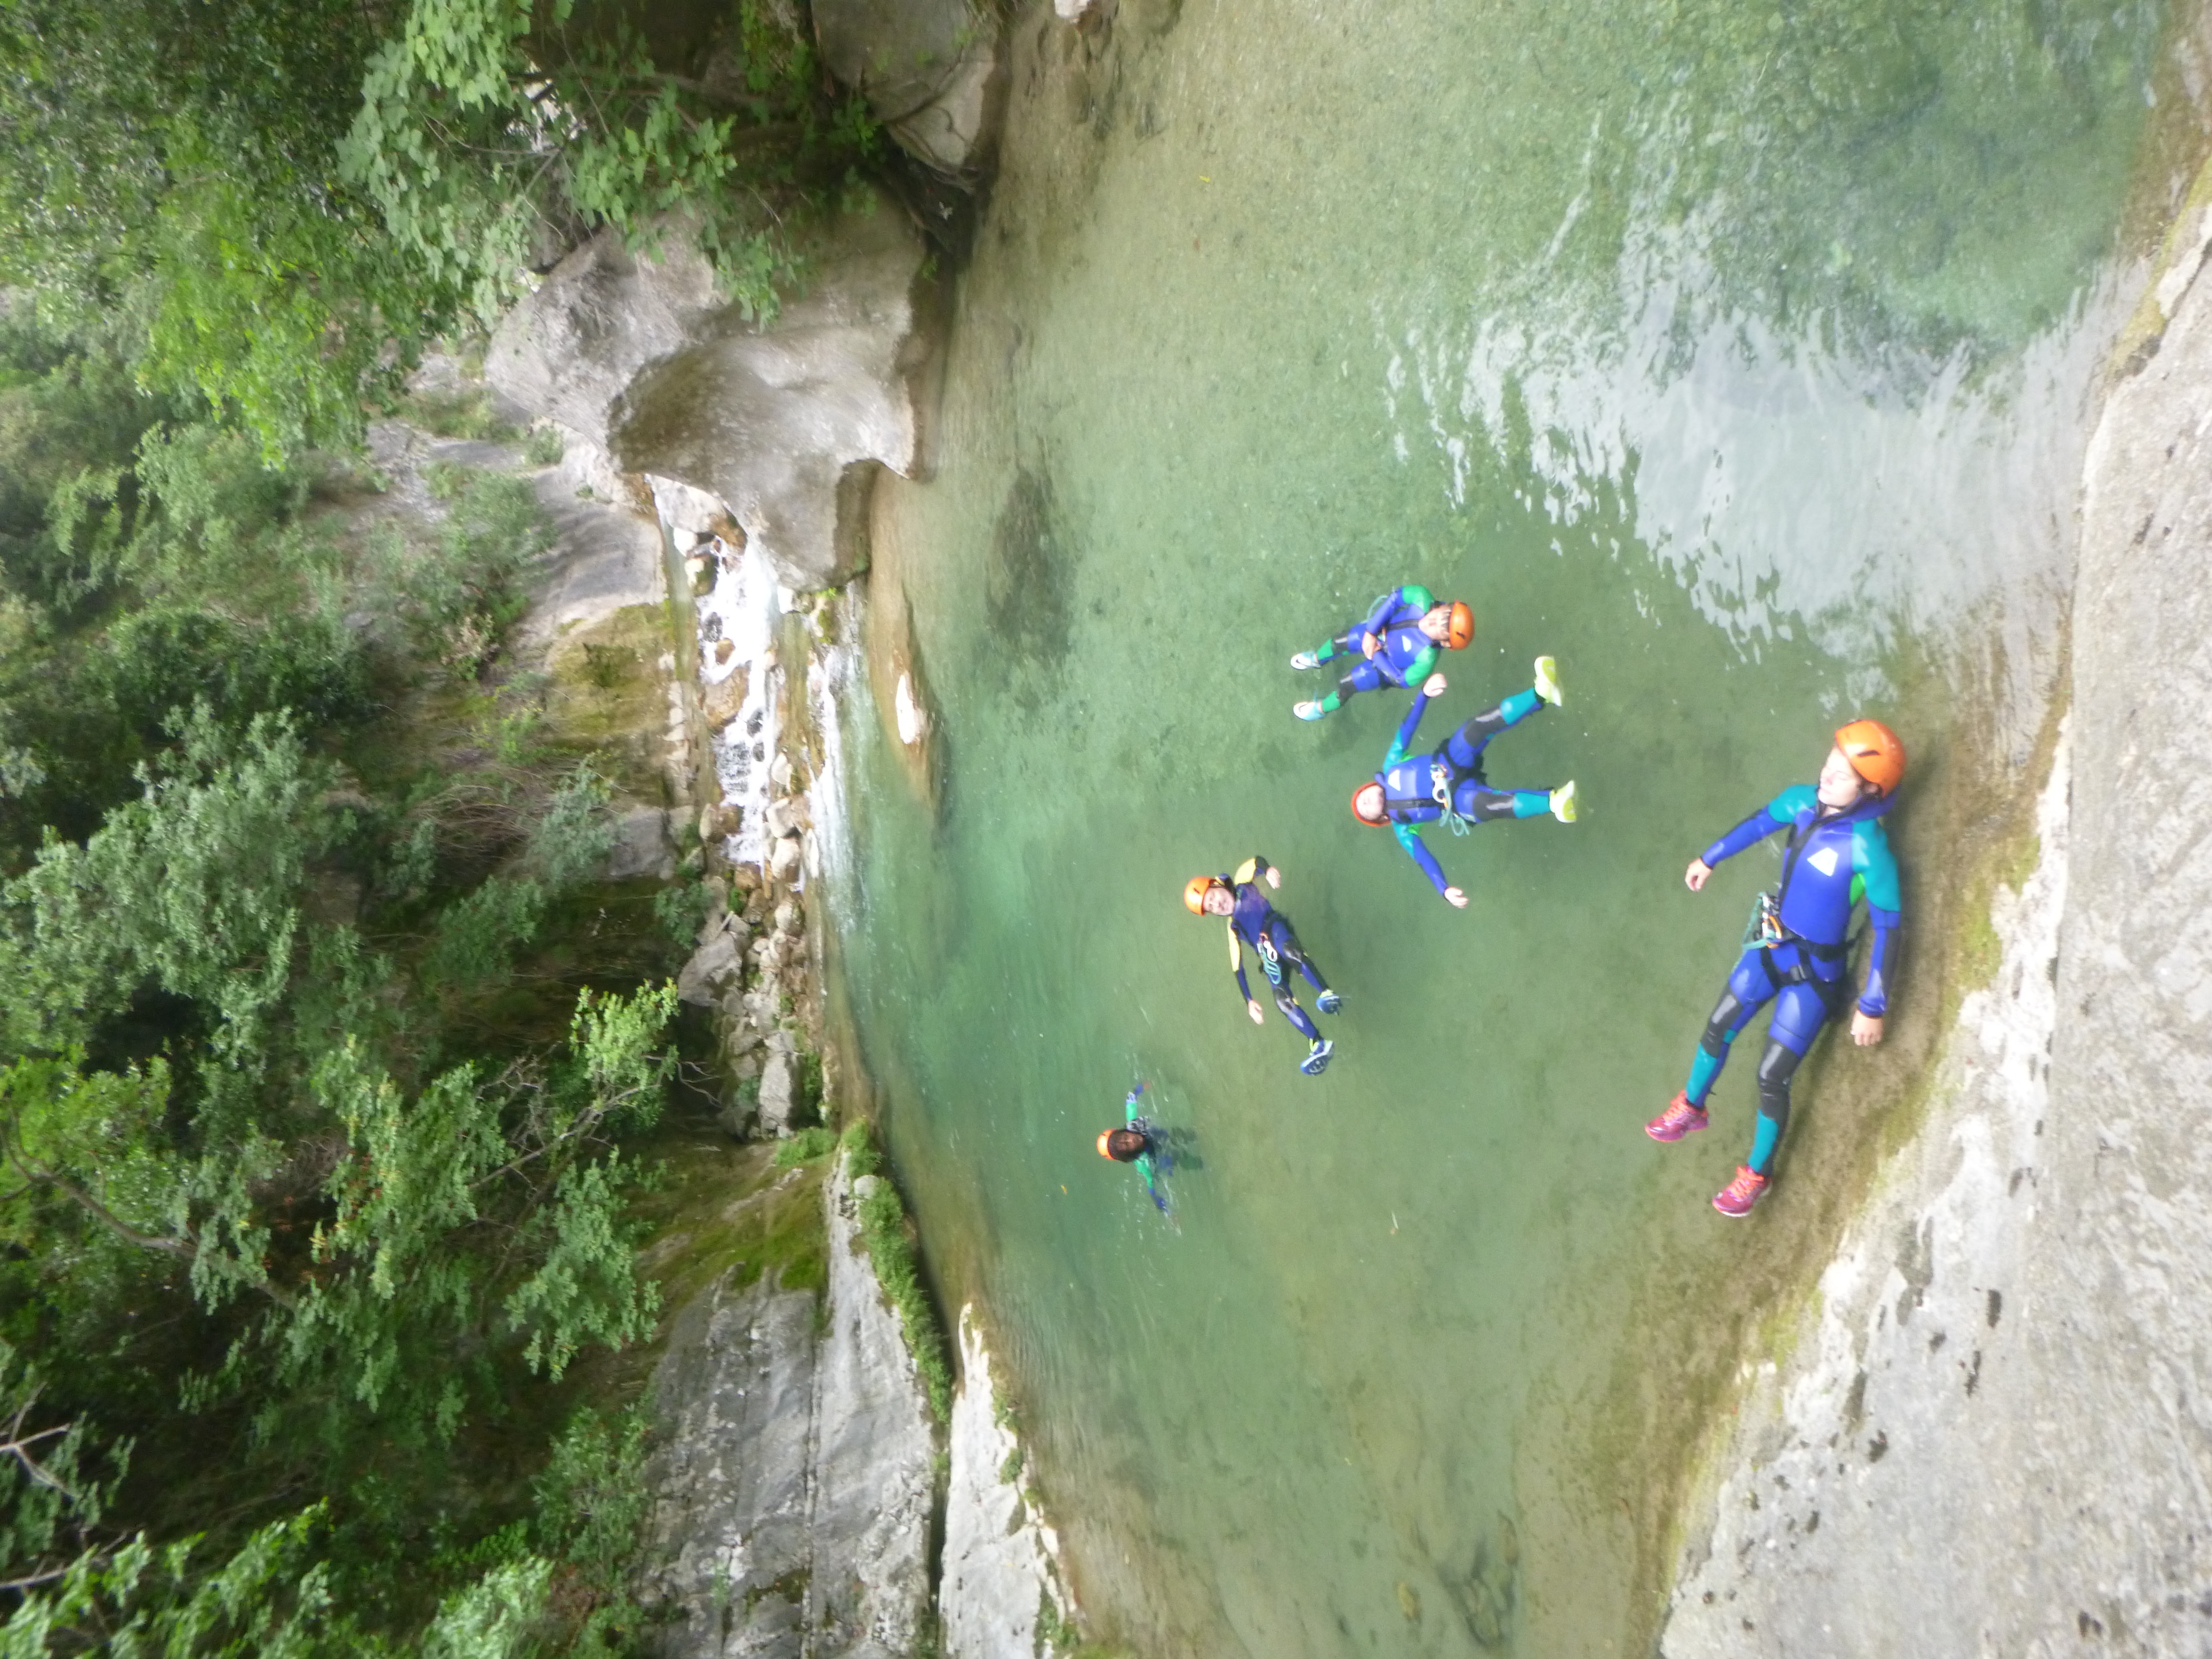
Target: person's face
1218, 902
1437, 623
1370, 802
1839, 786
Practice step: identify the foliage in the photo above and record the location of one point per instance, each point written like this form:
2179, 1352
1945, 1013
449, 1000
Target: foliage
682, 909
805, 1147
890, 1247
488, 128
174, 164
459, 598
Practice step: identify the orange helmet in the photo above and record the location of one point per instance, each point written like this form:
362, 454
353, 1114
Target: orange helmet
1195, 891
1372, 823
1874, 752
1105, 1150
1462, 626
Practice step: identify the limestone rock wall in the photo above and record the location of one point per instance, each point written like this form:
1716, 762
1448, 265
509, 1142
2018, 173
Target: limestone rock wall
1996, 1434
795, 1475
785, 423
1001, 1560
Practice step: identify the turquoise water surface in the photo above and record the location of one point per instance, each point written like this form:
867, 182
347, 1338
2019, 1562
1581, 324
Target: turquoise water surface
1736, 355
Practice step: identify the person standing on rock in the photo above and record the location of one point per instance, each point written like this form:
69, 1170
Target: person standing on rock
1449, 784
1253, 920
1396, 644
1140, 1142
1796, 954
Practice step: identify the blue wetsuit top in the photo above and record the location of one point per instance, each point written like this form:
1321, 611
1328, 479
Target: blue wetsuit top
1411, 785
1253, 918
1832, 862
1406, 654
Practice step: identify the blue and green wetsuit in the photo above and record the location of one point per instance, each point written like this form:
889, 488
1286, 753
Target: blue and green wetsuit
1831, 861
1156, 1160
1256, 922
1449, 784
1404, 657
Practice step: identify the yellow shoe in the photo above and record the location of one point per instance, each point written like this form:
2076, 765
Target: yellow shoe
1548, 681
1563, 803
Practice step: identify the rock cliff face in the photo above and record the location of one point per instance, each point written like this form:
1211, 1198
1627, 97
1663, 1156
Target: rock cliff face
784, 423
1002, 1580
794, 1481
1995, 1436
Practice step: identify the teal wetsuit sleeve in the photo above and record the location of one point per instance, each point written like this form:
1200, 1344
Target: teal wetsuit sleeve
1421, 666
1873, 873
1876, 867
1407, 727
1415, 594
1410, 839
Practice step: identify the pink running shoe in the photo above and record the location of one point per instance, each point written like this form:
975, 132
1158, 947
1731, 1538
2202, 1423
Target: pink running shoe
1679, 1119
1740, 1195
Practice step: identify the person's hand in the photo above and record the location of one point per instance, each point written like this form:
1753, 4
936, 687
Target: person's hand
1368, 645
1274, 877
1433, 686
1259, 1015
1697, 875
1455, 897
1866, 1028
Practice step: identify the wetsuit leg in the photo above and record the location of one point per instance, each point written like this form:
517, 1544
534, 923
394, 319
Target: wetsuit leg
1479, 803
1799, 1014
1345, 644
1363, 676
1272, 958
1287, 943
1748, 991
1465, 746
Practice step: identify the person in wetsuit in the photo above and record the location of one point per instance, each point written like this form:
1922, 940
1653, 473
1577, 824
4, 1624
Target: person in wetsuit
1798, 956
1141, 1142
1411, 791
1396, 644
1253, 920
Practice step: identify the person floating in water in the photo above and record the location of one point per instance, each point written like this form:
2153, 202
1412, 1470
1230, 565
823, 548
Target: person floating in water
1411, 791
1140, 1142
1253, 920
1397, 644
1797, 954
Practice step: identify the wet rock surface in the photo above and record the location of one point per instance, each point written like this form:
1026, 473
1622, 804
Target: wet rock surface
1993, 1437
1001, 1562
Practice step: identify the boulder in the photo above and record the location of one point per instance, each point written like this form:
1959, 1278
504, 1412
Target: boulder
784, 858
641, 845
572, 348
928, 70
779, 1091
713, 966
788, 424
747, 431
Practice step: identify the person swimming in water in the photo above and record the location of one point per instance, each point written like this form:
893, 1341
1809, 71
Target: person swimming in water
1141, 1142
1449, 784
1396, 643
1253, 920
1798, 955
